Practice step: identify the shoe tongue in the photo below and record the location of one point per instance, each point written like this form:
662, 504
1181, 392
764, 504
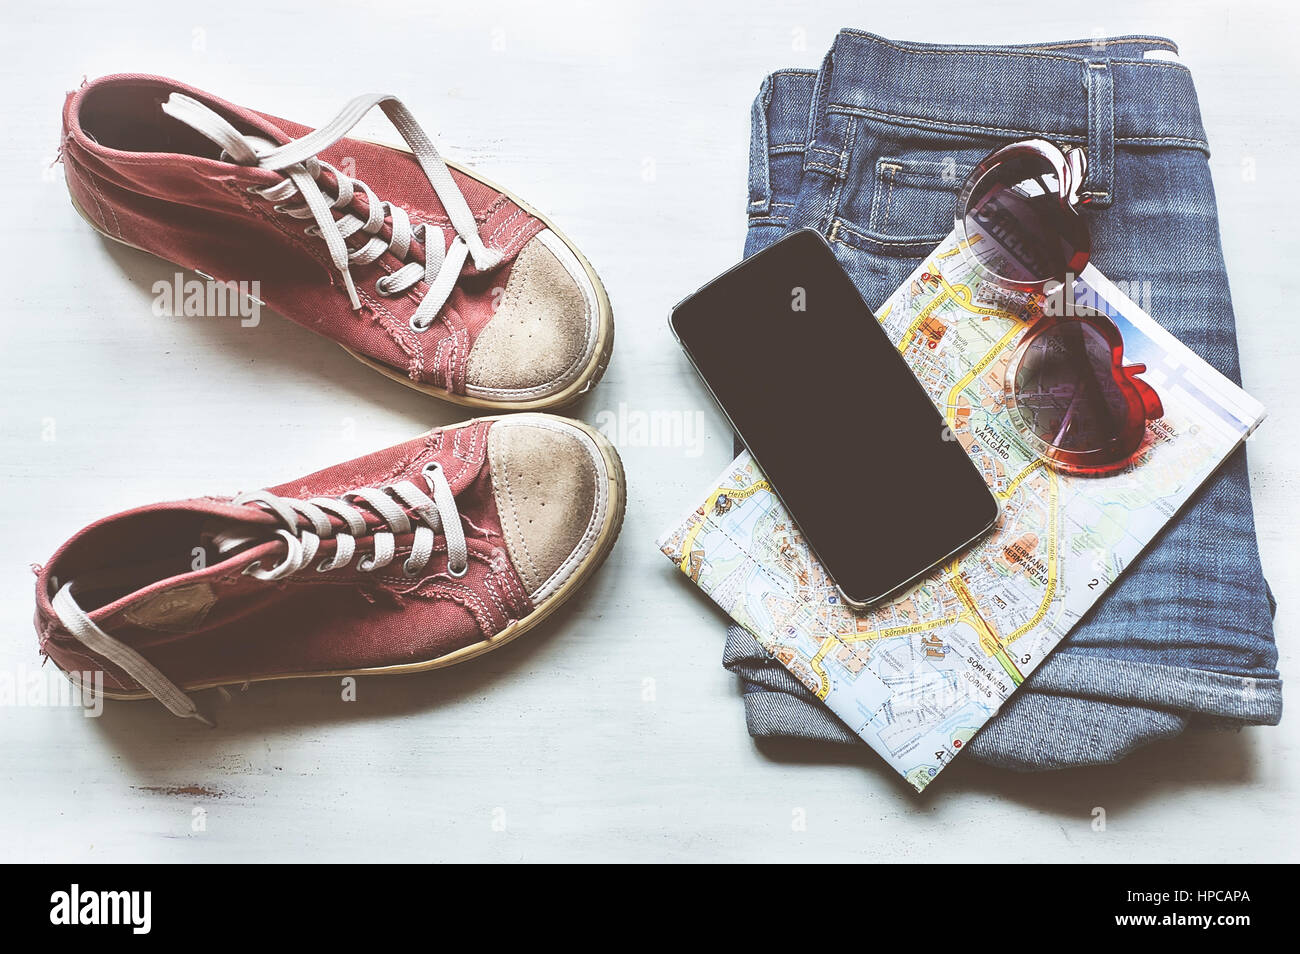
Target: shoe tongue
236, 147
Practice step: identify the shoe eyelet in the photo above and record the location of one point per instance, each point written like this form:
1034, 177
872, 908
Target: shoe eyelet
409, 573
457, 575
294, 546
418, 328
381, 288
278, 208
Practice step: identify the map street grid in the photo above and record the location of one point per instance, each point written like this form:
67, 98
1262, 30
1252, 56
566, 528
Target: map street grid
917, 675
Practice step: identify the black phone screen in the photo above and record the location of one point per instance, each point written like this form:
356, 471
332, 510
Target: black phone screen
850, 440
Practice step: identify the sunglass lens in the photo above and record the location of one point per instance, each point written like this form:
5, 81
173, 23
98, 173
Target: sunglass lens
1016, 226
1066, 394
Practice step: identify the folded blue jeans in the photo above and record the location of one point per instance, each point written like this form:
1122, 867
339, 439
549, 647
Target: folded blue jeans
871, 151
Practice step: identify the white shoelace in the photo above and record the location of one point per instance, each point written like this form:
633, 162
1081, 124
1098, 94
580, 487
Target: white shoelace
297, 162
76, 622
433, 515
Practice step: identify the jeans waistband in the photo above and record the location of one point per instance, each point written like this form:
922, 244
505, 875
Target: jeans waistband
1011, 91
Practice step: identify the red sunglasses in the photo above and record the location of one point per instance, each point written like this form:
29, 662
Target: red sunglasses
1067, 387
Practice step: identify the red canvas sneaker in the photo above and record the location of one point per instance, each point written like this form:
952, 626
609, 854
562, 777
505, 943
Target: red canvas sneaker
411, 558
424, 271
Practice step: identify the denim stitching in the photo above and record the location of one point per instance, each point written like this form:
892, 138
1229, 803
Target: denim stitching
1099, 84
973, 51
1111, 41
893, 170
829, 170
841, 175
925, 242
759, 184
903, 119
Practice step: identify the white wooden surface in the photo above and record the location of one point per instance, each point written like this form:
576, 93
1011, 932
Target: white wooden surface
611, 733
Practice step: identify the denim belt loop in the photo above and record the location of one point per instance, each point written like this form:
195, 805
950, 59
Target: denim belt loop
1099, 184
760, 181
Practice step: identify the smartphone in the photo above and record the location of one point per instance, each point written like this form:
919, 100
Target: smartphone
848, 437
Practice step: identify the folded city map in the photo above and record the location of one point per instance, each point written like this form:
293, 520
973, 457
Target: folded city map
918, 675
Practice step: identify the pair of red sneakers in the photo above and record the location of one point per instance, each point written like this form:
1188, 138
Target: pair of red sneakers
414, 557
